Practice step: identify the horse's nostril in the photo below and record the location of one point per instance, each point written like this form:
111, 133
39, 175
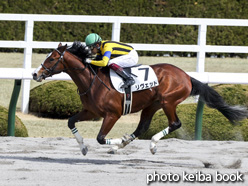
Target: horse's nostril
34, 76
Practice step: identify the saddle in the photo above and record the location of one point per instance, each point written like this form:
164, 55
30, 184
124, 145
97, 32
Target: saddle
145, 78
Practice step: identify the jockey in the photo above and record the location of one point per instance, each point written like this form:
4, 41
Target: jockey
114, 54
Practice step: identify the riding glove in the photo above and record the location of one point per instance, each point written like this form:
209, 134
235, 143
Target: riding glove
88, 60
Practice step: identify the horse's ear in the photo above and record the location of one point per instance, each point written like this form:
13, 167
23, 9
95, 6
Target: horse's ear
60, 44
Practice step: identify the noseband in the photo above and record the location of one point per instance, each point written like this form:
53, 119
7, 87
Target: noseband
51, 70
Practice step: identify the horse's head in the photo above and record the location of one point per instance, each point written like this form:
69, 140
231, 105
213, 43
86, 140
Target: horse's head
53, 64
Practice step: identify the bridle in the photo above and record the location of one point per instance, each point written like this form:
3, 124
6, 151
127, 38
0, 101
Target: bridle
51, 70
61, 59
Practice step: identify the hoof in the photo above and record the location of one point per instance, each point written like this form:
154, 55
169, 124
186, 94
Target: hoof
153, 150
84, 150
153, 147
113, 150
126, 139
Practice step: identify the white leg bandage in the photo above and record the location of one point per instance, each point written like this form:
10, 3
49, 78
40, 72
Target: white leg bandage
156, 138
120, 143
78, 137
80, 141
114, 141
161, 134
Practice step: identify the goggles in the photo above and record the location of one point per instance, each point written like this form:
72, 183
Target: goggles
92, 47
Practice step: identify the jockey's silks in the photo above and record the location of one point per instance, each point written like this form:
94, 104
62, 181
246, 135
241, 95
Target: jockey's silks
110, 50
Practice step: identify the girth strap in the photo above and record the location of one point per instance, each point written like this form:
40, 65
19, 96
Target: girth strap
127, 103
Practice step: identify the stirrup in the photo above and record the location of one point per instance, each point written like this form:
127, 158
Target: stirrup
128, 83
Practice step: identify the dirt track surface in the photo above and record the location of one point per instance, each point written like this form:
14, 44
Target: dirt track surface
58, 161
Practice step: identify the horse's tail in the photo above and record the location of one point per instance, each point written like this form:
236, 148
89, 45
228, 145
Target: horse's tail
214, 100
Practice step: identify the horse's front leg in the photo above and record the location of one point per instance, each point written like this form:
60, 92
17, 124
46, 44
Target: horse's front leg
107, 125
81, 116
145, 120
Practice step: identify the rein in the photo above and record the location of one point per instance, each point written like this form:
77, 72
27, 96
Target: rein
92, 82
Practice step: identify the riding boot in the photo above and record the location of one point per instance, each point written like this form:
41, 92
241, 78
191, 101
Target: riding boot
128, 79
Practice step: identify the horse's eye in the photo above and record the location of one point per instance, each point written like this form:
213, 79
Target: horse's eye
51, 59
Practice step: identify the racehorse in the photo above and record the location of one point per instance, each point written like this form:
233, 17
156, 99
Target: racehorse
100, 99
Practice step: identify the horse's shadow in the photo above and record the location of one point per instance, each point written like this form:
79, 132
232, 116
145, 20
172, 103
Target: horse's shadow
71, 161
84, 161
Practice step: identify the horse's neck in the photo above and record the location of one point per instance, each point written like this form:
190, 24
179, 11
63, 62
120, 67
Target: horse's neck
80, 74
80, 80
83, 78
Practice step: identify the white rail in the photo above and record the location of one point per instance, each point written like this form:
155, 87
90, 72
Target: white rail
205, 77
200, 48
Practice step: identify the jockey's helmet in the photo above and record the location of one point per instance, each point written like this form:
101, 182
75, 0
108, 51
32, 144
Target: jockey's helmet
92, 39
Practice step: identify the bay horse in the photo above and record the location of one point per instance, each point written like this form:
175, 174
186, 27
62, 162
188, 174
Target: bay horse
100, 99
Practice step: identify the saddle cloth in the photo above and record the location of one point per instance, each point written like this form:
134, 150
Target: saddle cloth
144, 76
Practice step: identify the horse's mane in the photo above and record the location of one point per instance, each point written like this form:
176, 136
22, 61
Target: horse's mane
82, 52
79, 50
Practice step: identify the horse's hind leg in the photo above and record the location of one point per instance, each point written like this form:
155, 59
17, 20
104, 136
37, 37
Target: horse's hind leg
174, 123
146, 118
